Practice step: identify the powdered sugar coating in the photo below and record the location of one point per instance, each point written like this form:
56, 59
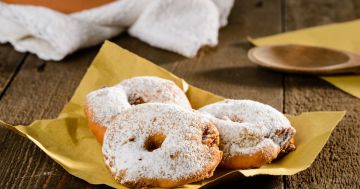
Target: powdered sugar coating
242, 138
188, 151
107, 102
154, 89
272, 123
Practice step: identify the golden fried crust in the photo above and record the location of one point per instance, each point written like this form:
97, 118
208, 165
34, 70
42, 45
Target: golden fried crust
261, 157
169, 183
247, 161
289, 147
95, 128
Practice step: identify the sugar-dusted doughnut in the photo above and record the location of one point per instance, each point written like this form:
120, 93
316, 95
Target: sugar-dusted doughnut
103, 104
251, 133
153, 89
160, 145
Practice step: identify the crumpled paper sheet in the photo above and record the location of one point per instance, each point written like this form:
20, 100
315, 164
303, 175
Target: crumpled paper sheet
69, 142
342, 36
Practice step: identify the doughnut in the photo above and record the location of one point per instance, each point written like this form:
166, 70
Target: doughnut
103, 104
160, 145
252, 134
154, 89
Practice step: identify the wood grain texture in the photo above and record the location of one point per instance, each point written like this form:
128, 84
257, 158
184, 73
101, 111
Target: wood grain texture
308, 13
39, 90
42, 88
338, 165
10, 62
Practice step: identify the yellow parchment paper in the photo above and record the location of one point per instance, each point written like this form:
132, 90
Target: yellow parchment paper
68, 140
342, 36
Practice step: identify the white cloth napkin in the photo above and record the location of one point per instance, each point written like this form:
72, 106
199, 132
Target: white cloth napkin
181, 26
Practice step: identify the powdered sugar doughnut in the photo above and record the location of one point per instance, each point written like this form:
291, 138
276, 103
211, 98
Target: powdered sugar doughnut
153, 89
248, 128
245, 145
160, 145
103, 104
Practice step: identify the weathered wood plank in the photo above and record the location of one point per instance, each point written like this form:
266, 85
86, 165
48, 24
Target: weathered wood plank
161, 57
10, 61
307, 13
41, 89
338, 165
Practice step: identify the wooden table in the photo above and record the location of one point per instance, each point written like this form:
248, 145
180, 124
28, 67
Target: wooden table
34, 89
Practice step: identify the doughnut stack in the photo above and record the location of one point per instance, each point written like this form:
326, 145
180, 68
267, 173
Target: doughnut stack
151, 137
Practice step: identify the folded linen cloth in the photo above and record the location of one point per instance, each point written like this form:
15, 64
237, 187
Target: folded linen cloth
179, 26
